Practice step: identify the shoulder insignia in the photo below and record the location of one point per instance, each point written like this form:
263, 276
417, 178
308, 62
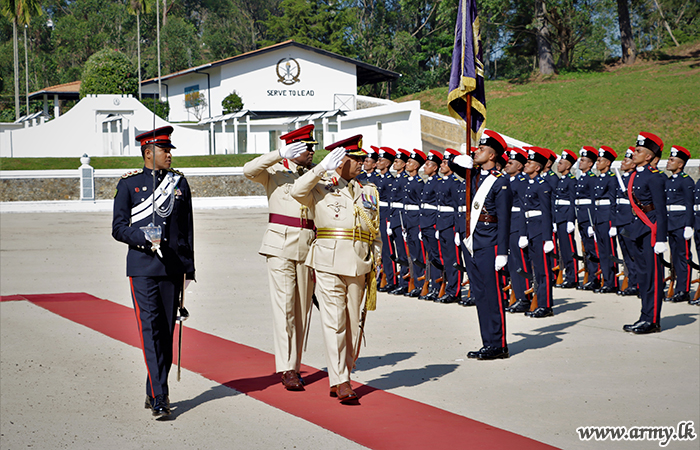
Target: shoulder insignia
177, 172
132, 173
497, 174
591, 174
541, 181
654, 170
685, 175
571, 175
358, 183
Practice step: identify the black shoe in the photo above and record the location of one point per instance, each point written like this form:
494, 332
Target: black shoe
590, 286
469, 301
447, 298
629, 292
149, 402
541, 312
694, 302
387, 288
567, 285
489, 353
646, 328
399, 291
628, 328
519, 307
431, 296
474, 354
681, 296
161, 406
607, 290
415, 293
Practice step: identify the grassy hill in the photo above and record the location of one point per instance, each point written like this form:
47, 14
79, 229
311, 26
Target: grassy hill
659, 94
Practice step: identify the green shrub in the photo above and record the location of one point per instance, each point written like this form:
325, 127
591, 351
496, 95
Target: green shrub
109, 72
232, 103
161, 108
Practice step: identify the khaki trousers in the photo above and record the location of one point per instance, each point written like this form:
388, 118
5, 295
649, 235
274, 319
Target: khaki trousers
291, 289
339, 299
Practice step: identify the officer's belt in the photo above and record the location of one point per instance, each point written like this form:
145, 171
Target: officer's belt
383, 204
344, 234
623, 201
291, 221
488, 218
411, 207
562, 202
533, 213
515, 209
445, 208
462, 209
428, 206
603, 202
396, 205
675, 208
696, 207
583, 201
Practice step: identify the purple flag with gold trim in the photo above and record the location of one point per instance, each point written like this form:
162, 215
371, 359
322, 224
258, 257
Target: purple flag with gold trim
467, 75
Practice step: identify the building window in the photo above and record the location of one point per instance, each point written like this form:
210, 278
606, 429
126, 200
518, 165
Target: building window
188, 94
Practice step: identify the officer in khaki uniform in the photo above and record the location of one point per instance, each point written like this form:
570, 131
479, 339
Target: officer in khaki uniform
344, 254
286, 243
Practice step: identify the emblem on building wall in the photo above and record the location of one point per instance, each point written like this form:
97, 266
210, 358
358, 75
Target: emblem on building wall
288, 71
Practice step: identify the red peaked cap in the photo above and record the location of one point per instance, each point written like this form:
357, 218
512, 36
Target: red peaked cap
569, 156
537, 154
373, 153
160, 137
551, 155
517, 154
303, 134
387, 153
680, 152
449, 154
652, 142
494, 140
629, 152
608, 153
403, 154
419, 156
434, 156
589, 152
352, 146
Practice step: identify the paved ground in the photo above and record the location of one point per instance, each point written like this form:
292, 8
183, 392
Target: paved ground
65, 386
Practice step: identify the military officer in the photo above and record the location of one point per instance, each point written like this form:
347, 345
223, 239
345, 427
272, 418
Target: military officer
584, 213
679, 198
344, 254
156, 264
604, 196
411, 218
369, 167
428, 217
396, 228
286, 242
696, 209
621, 219
565, 218
648, 231
384, 181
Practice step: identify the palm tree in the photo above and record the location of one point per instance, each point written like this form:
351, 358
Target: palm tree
137, 7
20, 12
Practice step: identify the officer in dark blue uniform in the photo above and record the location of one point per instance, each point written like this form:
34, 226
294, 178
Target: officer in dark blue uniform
384, 181
487, 243
537, 203
679, 201
411, 218
369, 166
604, 199
696, 209
397, 221
156, 270
552, 179
461, 226
565, 218
584, 213
648, 231
428, 218
519, 256
446, 199
620, 221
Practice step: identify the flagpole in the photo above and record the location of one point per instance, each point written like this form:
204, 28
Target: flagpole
468, 181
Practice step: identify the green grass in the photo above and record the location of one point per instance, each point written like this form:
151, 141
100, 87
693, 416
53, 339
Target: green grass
605, 108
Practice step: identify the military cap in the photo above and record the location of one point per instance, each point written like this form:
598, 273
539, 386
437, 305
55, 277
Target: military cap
608, 153
493, 140
588, 152
517, 154
373, 153
352, 146
303, 134
537, 154
434, 156
450, 153
387, 153
651, 142
419, 156
159, 136
403, 155
569, 156
680, 152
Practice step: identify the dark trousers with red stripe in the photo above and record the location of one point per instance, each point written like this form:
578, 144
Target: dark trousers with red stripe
627, 247
567, 247
487, 289
651, 279
156, 300
542, 268
449, 256
416, 250
607, 247
431, 248
519, 258
680, 252
388, 265
401, 253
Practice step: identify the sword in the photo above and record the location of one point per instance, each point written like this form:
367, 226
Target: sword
184, 314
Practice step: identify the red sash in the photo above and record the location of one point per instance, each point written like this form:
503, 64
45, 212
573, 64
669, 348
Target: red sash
638, 211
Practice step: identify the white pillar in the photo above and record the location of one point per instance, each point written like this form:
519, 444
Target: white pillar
248, 136
46, 104
132, 139
235, 136
325, 132
56, 107
211, 139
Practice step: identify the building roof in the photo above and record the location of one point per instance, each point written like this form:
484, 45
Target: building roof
366, 73
66, 91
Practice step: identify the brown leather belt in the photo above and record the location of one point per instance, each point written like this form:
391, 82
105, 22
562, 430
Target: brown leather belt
644, 208
488, 218
291, 221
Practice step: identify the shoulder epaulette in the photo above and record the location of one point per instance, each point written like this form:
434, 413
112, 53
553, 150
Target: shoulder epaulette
177, 172
571, 175
541, 180
591, 174
358, 182
497, 174
132, 173
685, 175
654, 170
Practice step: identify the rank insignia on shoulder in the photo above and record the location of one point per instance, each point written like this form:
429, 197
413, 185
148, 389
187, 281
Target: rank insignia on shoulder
115, 192
177, 172
132, 173
685, 175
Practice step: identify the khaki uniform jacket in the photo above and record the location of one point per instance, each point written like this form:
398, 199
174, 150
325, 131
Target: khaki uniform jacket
281, 240
334, 207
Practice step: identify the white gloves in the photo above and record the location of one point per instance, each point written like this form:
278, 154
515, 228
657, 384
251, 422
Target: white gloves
522, 241
457, 239
659, 247
554, 228
590, 231
420, 236
570, 227
612, 232
389, 232
464, 161
501, 261
404, 235
291, 151
437, 234
333, 159
687, 233
548, 246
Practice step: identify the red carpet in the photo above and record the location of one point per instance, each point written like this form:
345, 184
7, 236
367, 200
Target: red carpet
382, 421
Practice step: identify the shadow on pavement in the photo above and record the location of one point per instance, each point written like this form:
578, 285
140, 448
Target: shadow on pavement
372, 362
679, 320
215, 393
412, 377
541, 337
562, 305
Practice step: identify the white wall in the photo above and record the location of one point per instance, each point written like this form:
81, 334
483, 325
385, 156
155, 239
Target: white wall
400, 126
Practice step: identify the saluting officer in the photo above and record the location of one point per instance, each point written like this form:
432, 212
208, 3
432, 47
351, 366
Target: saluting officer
411, 218
156, 266
604, 195
679, 198
396, 228
565, 218
428, 218
620, 221
648, 231
344, 253
290, 231
384, 181
584, 213
369, 167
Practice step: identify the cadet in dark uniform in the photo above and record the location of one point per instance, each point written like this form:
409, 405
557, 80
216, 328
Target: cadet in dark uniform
156, 270
487, 245
411, 217
397, 222
565, 218
369, 167
679, 200
537, 203
621, 220
648, 231
604, 195
552, 179
428, 218
384, 181
696, 209
584, 213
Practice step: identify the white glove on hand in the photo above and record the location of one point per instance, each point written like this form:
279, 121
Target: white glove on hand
659, 247
501, 261
554, 228
457, 239
548, 246
437, 234
291, 151
612, 232
333, 159
464, 161
570, 227
687, 233
522, 242
404, 235
389, 231
420, 236
590, 231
